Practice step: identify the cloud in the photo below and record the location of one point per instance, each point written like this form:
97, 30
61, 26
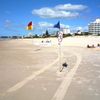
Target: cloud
10, 26
45, 24
54, 13
97, 20
81, 28
50, 25
64, 26
70, 7
60, 11
7, 24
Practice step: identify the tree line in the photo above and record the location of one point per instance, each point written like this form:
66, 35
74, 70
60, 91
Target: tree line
47, 35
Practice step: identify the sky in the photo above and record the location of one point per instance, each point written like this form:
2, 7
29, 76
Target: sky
74, 14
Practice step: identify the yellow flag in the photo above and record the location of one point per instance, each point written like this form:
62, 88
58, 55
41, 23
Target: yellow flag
29, 26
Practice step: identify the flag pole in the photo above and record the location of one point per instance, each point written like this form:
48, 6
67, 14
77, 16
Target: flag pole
30, 28
60, 60
60, 36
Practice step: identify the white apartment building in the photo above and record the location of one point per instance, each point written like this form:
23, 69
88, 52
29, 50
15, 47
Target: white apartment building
94, 27
66, 30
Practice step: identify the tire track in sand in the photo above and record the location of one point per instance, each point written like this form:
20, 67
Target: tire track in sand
27, 79
63, 88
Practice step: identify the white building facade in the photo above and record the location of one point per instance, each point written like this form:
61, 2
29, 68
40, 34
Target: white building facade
66, 30
94, 27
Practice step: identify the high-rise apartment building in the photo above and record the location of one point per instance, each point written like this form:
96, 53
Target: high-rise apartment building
94, 27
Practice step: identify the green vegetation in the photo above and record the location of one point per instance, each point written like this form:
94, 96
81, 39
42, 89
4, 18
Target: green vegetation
47, 35
66, 35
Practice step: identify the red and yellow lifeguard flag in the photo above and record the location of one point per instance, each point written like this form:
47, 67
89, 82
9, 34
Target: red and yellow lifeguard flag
30, 26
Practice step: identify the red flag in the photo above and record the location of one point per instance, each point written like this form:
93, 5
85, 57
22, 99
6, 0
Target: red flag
30, 26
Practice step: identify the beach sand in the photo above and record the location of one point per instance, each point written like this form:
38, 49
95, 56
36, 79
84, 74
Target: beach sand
29, 69
81, 41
